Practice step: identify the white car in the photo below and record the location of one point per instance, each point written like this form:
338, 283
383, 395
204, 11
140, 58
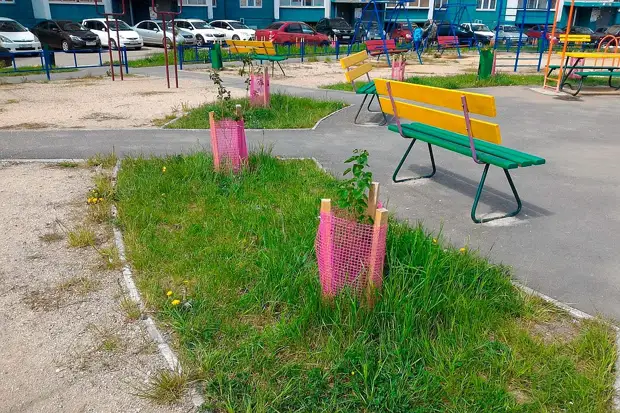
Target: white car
203, 31
479, 29
234, 30
17, 38
152, 32
126, 35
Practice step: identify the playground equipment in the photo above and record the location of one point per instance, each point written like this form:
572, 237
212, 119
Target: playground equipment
118, 40
172, 15
453, 12
512, 13
372, 7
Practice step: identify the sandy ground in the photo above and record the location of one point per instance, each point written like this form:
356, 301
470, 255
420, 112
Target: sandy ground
99, 103
53, 356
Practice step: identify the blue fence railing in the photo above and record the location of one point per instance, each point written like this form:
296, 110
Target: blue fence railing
48, 65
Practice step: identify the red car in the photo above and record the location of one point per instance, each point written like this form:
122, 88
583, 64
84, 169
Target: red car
401, 32
535, 32
291, 33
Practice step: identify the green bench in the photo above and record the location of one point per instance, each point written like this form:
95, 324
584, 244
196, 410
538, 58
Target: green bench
478, 139
257, 50
594, 71
356, 66
584, 75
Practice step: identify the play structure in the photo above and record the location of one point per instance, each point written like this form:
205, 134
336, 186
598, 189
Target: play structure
573, 63
371, 15
516, 17
455, 13
171, 15
118, 41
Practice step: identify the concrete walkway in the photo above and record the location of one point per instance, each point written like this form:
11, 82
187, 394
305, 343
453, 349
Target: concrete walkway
561, 244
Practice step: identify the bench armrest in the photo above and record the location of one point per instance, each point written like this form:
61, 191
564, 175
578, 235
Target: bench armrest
469, 132
388, 86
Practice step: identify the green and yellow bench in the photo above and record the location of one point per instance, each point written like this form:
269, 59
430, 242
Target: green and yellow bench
257, 50
479, 139
356, 66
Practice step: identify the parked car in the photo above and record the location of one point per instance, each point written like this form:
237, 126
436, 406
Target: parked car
372, 32
336, 29
16, 38
535, 32
152, 32
127, 36
401, 32
202, 31
482, 33
234, 30
613, 30
291, 33
507, 33
66, 35
465, 36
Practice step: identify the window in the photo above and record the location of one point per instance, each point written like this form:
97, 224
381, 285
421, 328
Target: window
537, 4
306, 29
485, 5
418, 4
274, 26
72, 1
143, 25
184, 25
250, 3
302, 3
441, 3
7, 1
294, 28
198, 3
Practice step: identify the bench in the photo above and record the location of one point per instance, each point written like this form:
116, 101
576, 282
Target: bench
448, 42
478, 139
257, 50
611, 73
356, 66
378, 48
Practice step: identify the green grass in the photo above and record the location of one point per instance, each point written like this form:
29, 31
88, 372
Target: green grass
285, 112
449, 333
470, 80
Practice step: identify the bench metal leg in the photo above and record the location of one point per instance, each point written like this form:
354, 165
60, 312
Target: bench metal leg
400, 164
280, 66
383, 122
479, 193
612, 86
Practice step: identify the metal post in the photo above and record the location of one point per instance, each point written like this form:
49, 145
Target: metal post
520, 35
107, 25
166, 50
126, 60
75, 58
174, 47
181, 57
118, 47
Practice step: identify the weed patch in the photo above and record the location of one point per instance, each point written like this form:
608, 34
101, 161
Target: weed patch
103, 160
166, 387
81, 237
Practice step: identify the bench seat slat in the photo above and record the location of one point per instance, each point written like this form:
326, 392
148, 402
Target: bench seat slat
588, 67
367, 89
463, 150
521, 158
600, 73
274, 58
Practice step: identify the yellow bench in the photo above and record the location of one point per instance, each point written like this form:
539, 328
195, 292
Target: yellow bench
479, 139
356, 66
257, 50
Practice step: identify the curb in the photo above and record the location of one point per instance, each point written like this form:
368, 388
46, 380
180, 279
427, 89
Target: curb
164, 348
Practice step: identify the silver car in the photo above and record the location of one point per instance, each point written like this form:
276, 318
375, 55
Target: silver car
152, 33
511, 34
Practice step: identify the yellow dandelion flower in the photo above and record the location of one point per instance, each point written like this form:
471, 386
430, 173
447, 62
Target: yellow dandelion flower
169, 293
434, 241
463, 249
352, 373
163, 169
175, 302
186, 281
100, 199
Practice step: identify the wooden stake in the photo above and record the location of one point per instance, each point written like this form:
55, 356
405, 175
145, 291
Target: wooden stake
381, 218
214, 149
373, 199
328, 244
238, 111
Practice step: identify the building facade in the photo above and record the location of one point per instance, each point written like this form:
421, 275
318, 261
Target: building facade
260, 13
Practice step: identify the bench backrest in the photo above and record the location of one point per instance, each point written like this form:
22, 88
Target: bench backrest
447, 40
356, 66
575, 38
252, 47
444, 99
374, 45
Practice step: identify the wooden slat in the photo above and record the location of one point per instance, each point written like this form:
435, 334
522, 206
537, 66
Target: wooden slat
476, 102
361, 70
575, 37
252, 46
354, 59
593, 55
480, 129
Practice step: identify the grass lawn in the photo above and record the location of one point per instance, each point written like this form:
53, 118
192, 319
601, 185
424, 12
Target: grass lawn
449, 334
285, 112
470, 80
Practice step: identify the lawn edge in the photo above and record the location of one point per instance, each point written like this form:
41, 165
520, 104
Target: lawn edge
164, 348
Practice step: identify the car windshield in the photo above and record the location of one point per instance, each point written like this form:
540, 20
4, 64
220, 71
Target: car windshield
583, 30
510, 29
202, 25
238, 25
339, 24
121, 26
274, 26
480, 27
613, 29
11, 26
72, 27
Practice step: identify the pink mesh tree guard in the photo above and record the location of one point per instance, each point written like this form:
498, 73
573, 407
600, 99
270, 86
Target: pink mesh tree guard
398, 69
571, 63
228, 143
259, 89
350, 254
